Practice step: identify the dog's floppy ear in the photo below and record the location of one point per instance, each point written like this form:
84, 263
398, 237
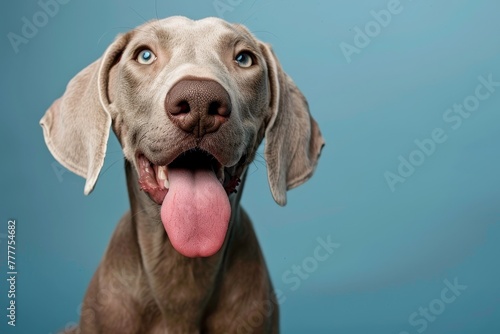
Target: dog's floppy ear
293, 138
76, 126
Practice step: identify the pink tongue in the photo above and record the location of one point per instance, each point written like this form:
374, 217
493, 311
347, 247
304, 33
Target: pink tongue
195, 212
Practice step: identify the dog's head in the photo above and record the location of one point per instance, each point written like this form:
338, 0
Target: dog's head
190, 102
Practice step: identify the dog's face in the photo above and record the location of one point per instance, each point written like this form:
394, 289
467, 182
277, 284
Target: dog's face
190, 102
180, 50
196, 91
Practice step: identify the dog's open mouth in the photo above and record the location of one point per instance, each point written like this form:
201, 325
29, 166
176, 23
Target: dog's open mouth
193, 193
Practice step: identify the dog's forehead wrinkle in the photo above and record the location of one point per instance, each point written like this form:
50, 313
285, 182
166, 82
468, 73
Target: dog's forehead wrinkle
180, 30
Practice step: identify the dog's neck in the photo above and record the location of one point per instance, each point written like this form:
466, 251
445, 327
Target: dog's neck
199, 274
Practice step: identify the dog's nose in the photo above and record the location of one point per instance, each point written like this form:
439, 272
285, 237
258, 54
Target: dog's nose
198, 106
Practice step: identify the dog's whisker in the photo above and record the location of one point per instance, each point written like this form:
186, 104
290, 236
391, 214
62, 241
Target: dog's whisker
256, 168
108, 31
112, 165
260, 159
142, 17
267, 32
156, 10
253, 3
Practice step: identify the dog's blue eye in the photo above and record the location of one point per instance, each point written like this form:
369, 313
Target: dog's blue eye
244, 59
146, 57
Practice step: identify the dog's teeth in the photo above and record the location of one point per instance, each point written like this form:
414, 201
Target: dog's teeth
161, 173
221, 175
163, 176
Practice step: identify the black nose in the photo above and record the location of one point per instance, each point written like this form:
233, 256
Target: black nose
198, 106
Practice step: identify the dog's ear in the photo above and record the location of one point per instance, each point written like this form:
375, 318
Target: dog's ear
293, 138
76, 127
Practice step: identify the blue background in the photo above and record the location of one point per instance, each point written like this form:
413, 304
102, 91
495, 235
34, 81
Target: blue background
396, 247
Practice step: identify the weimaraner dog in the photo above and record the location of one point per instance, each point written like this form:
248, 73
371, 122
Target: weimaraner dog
190, 102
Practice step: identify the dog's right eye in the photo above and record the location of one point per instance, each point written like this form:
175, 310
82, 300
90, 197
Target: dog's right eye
146, 57
244, 59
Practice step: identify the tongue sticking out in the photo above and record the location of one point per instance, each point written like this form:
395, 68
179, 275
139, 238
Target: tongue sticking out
195, 212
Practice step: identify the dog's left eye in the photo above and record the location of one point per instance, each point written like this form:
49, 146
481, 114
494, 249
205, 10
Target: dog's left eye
146, 57
244, 59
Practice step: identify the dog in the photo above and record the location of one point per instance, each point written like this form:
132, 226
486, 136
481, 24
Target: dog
190, 102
